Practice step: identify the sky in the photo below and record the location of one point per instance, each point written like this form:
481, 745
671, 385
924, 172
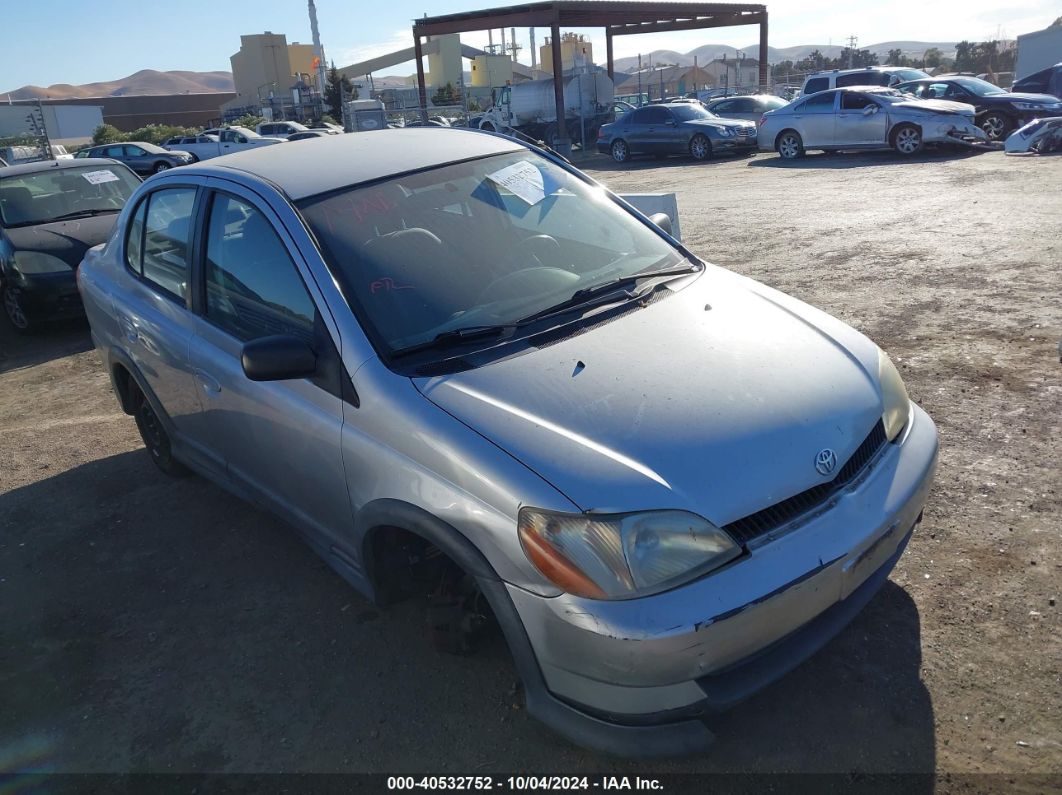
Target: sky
70, 41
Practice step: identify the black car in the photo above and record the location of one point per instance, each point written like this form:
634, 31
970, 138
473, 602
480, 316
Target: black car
51, 213
998, 112
1046, 81
676, 128
306, 135
142, 157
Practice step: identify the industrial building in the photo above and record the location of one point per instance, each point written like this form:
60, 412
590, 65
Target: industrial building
1038, 50
64, 123
265, 71
128, 113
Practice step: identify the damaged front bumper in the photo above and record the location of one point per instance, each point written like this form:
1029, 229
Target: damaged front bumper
955, 132
643, 672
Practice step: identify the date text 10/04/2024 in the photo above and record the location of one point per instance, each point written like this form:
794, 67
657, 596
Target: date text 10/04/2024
523, 783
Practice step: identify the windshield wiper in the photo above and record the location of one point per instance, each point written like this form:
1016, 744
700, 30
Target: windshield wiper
455, 337
84, 214
588, 296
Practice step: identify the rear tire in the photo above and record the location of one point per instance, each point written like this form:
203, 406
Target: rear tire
907, 140
156, 440
15, 311
621, 153
701, 148
160, 167
790, 146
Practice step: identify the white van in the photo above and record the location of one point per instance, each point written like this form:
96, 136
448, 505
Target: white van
868, 76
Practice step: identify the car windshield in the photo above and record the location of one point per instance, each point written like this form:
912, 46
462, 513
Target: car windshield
149, 148
890, 95
480, 243
54, 194
981, 88
688, 112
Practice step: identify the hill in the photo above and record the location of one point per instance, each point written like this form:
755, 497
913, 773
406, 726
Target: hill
146, 81
709, 52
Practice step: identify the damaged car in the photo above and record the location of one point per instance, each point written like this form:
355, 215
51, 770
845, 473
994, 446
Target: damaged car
861, 118
466, 372
1037, 137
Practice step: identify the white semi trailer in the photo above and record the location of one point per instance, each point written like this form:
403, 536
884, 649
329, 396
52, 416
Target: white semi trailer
531, 108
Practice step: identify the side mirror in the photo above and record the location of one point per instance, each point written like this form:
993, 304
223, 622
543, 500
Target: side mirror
870, 110
663, 220
670, 122
278, 358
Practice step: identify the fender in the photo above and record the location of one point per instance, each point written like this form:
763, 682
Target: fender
117, 356
687, 736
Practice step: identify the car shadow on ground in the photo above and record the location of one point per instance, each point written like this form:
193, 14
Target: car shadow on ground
50, 341
606, 163
884, 157
157, 624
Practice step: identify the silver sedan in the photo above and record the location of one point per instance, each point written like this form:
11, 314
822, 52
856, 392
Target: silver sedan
867, 117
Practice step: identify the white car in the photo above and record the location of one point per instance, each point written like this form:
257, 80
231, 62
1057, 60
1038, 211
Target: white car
280, 129
868, 76
220, 141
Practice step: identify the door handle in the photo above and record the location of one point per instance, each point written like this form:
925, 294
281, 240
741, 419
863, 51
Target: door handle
210, 384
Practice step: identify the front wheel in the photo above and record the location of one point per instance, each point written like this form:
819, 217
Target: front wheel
160, 167
621, 153
156, 440
15, 310
907, 140
700, 147
996, 126
790, 145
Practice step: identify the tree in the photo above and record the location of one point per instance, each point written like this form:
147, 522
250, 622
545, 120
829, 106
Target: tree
896, 57
932, 57
446, 95
107, 134
248, 120
337, 88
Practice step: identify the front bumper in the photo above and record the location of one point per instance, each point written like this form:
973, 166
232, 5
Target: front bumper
961, 131
652, 664
737, 143
48, 296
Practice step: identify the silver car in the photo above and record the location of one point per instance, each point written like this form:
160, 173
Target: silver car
867, 117
455, 363
750, 107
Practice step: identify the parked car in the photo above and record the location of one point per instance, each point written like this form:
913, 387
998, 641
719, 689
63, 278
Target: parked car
1037, 137
226, 140
142, 157
192, 144
866, 118
2, 162
308, 135
327, 126
749, 108
14, 155
450, 360
1046, 81
997, 112
51, 212
280, 129
869, 76
677, 128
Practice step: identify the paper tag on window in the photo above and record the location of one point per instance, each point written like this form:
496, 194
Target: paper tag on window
98, 177
522, 179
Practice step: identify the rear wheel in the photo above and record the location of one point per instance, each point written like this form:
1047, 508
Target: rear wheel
15, 311
790, 145
907, 140
700, 147
160, 167
621, 153
996, 126
156, 440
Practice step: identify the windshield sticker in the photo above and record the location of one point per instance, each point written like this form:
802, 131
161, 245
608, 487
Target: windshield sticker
99, 177
522, 179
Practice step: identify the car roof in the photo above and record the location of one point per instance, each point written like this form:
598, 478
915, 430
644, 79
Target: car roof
44, 165
338, 161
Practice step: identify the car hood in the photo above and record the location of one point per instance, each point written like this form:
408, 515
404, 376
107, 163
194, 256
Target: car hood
714, 399
67, 240
936, 106
720, 122
1017, 96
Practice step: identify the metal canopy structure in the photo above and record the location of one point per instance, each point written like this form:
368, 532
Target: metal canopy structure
623, 18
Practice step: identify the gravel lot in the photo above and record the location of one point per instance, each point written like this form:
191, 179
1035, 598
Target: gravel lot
149, 624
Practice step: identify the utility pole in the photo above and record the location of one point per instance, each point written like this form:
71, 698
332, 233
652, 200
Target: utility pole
514, 48
852, 42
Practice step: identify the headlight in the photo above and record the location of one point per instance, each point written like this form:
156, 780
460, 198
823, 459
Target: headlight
1029, 106
897, 406
36, 262
620, 556
726, 132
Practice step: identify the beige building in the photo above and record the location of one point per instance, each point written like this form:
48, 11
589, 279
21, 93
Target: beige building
731, 73
444, 65
266, 64
491, 71
576, 50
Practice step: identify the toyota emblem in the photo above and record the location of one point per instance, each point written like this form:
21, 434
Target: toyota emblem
825, 461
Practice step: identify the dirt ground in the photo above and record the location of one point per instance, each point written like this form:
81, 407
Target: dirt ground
157, 625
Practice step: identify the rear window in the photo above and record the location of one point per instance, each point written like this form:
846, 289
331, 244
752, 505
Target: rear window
869, 78
816, 84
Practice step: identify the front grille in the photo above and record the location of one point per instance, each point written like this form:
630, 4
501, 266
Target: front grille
762, 522
746, 131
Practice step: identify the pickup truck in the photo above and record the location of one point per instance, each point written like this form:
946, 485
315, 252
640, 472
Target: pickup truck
219, 141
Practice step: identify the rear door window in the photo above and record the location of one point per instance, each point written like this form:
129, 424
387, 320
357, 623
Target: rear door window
861, 79
820, 103
167, 241
816, 84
